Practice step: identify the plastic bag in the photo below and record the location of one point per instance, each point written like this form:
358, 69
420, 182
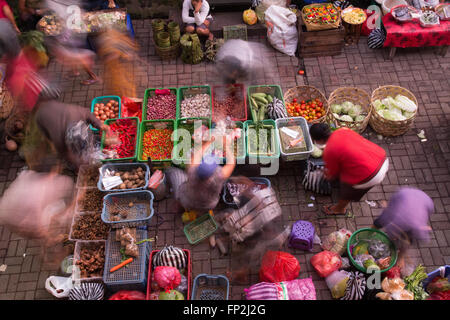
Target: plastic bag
345, 263
298, 289
356, 286
337, 283
281, 29
262, 6
59, 286
326, 262
131, 107
167, 277
128, 295
337, 241
278, 266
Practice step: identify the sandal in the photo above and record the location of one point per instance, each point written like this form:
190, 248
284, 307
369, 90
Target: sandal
90, 81
328, 212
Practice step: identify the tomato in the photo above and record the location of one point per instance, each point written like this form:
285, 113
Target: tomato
297, 108
295, 100
303, 101
319, 114
320, 104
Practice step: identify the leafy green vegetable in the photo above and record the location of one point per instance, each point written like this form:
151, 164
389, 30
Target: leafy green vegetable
414, 283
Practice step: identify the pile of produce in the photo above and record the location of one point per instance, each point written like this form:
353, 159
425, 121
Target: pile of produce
439, 289
109, 110
192, 51
292, 139
51, 25
96, 21
163, 105
261, 139
309, 109
199, 134
262, 103
89, 176
89, 227
157, 144
429, 18
228, 127
212, 47
91, 201
249, 17
91, 261
127, 239
414, 283
321, 14
126, 130
196, 106
372, 254
349, 112
131, 179
231, 104
394, 289
396, 109
354, 15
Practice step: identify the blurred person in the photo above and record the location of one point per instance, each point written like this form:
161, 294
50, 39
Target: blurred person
6, 13
66, 127
198, 189
405, 219
31, 11
91, 5
38, 205
196, 17
118, 52
9, 43
356, 162
239, 61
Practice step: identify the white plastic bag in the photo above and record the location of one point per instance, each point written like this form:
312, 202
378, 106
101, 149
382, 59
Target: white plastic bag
59, 286
263, 5
337, 241
337, 283
281, 29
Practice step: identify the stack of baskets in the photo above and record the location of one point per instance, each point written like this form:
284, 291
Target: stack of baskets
307, 93
166, 39
387, 127
356, 96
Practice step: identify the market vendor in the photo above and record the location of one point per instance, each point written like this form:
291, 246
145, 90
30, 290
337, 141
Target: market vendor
66, 127
239, 61
197, 18
31, 11
6, 13
356, 162
405, 219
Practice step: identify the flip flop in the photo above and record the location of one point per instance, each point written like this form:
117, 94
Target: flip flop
88, 82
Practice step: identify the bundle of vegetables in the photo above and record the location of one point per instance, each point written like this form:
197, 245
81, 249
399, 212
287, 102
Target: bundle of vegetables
157, 144
126, 130
310, 109
163, 105
262, 103
414, 283
261, 141
212, 47
192, 52
349, 112
396, 109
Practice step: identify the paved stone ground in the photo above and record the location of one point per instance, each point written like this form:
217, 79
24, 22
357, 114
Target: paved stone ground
415, 163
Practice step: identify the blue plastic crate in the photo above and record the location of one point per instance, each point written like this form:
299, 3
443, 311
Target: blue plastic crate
225, 192
443, 271
133, 276
105, 99
140, 214
123, 167
210, 287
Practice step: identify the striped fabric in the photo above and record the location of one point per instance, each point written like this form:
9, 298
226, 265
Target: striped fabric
170, 256
297, 289
356, 286
87, 291
376, 39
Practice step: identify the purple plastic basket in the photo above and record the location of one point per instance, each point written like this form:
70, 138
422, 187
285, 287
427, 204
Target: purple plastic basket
302, 235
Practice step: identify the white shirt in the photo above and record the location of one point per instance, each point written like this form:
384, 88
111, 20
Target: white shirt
200, 17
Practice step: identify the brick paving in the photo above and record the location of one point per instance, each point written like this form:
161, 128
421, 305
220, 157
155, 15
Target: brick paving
421, 164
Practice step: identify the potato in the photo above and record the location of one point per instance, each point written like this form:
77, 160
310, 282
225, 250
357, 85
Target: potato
122, 186
140, 175
129, 185
126, 175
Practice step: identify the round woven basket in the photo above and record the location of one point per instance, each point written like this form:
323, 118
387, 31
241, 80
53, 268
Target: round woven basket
385, 127
169, 53
10, 130
6, 103
356, 96
307, 93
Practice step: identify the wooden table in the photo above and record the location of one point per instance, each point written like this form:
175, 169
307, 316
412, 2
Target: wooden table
412, 34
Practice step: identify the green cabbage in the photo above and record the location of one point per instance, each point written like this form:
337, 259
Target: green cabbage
379, 105
408, 115
360, 118
355, 111
336, 116
346, 118
336, 108
316, 153
346, 106
405, 103
391, 115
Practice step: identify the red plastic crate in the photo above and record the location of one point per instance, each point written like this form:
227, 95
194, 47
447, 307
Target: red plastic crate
188, 276
240, 91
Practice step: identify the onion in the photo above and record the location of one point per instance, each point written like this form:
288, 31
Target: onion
10, 145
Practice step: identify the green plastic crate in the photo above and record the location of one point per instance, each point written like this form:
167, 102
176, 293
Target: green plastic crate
200, 228
151, 92
274, 90
238, 31
104, 99
153, 124
276, 153
242, 145
180, 123
189, 91
128, 159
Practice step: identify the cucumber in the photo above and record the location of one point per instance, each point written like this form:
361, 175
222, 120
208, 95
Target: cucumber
259, 94
254, 114
254, 103
260, 99
262, 113
269, 98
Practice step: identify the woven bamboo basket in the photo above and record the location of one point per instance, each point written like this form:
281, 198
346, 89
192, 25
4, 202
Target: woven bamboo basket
384, 126
307, 93
356, 96
6, 103
169, 53
10, 126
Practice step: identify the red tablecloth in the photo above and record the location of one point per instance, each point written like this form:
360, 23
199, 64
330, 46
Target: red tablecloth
412, 34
